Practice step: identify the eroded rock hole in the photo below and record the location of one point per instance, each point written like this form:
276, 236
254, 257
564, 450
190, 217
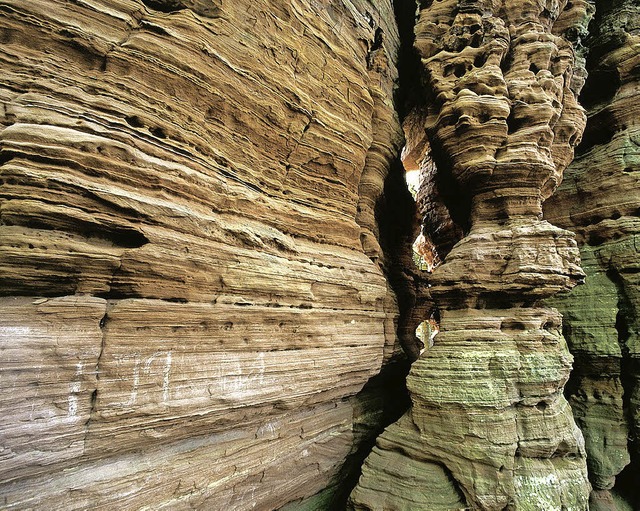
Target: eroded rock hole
428, 329
542, 406
515, 123
600, 131
167, 6
134, 121
480, 60
601, 87
513, 324
377, 40
158, 132
459, 70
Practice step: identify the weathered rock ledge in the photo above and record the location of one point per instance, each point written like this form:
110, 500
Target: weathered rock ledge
600, 200
207, 294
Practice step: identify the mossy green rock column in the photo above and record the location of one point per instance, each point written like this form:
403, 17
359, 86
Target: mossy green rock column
596, 390
489, 427
599, 200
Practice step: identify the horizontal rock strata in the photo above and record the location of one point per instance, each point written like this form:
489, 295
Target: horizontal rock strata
187, 242
600, 201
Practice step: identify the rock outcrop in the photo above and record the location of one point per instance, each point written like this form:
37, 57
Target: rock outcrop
489, 427
192, 277
207, 294
600, 200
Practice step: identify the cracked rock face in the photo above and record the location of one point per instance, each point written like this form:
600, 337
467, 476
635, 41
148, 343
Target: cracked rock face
191, 306
489, 427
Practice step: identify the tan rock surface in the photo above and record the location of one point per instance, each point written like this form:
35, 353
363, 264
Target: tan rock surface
205, 262
187, 246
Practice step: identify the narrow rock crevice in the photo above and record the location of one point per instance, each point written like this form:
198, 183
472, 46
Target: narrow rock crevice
396, 212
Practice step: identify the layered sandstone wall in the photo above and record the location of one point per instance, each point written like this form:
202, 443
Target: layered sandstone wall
205, 266
600, 200
192, 280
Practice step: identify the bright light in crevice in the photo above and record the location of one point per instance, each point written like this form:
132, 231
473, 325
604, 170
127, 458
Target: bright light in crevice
425, 255
412, 177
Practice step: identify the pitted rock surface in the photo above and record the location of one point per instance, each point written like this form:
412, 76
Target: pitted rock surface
600, 200
488, 414
193, 284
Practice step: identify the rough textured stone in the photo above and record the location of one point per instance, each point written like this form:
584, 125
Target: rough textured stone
205, 255
600, 200
488, 413
193, 270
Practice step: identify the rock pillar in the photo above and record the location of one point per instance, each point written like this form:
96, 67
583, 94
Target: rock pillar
489, 427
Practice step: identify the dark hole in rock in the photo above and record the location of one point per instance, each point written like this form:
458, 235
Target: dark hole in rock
542, 406
480, 60
601, 87
514, 123
134, 121
158, 132
599, 131
459, 70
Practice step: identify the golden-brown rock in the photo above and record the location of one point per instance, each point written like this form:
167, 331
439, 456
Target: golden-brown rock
187, 219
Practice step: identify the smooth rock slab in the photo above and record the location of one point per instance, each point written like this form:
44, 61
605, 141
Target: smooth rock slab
49, 351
